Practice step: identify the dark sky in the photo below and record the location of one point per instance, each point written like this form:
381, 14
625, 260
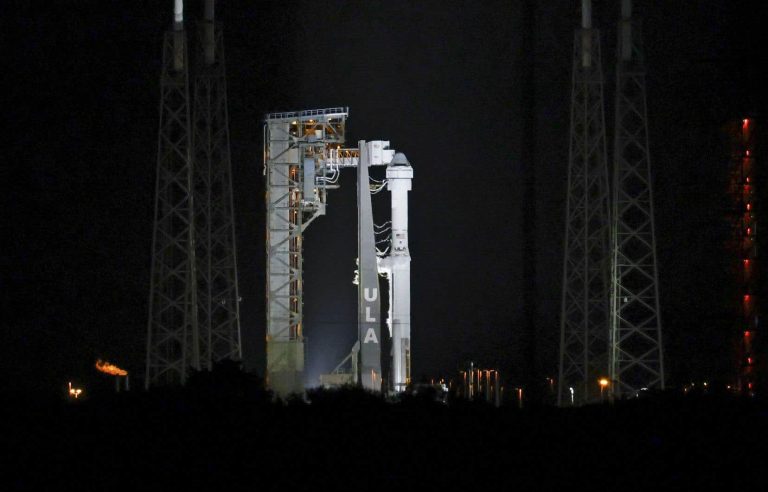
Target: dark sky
442, 82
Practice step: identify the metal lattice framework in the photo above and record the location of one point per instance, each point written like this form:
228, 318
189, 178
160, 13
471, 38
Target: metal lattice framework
635, 344
194, 304
584, 314
296, 146
172, 327
218, 298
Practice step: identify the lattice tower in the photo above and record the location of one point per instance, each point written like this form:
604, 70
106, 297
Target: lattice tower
636, 357
218, 297
584, 310
173, 335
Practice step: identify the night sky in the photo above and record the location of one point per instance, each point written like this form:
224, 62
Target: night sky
442, 82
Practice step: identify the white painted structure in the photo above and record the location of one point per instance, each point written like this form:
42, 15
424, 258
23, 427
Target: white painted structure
303, 157
397, 268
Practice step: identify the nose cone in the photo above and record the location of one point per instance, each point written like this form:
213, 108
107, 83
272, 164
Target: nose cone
400, 160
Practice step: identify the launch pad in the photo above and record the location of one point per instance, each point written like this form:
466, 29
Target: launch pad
303, 157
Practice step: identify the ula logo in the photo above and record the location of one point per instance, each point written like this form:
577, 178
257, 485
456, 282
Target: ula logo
370, 336
370, 295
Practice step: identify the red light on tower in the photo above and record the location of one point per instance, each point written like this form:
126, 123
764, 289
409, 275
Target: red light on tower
742, 212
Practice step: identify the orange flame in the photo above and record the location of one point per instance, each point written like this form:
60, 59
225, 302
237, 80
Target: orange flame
108, 368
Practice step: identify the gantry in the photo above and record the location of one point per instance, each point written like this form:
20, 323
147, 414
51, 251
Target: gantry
303, 156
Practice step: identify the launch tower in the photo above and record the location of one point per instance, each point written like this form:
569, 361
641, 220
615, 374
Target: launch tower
296, 146
743, 194
218, 297
193, 301
303, 157
636, 361
584, 310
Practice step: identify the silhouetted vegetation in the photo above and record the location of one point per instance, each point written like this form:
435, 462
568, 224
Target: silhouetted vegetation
224, 429
227, 380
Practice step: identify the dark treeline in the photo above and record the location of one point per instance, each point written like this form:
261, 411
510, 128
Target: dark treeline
225, 429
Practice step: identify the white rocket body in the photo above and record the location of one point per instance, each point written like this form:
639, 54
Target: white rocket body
397, 266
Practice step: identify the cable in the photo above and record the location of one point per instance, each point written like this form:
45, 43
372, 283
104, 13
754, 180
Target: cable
333, 179
379, 188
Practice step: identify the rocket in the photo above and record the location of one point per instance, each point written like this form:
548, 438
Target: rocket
397, 267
